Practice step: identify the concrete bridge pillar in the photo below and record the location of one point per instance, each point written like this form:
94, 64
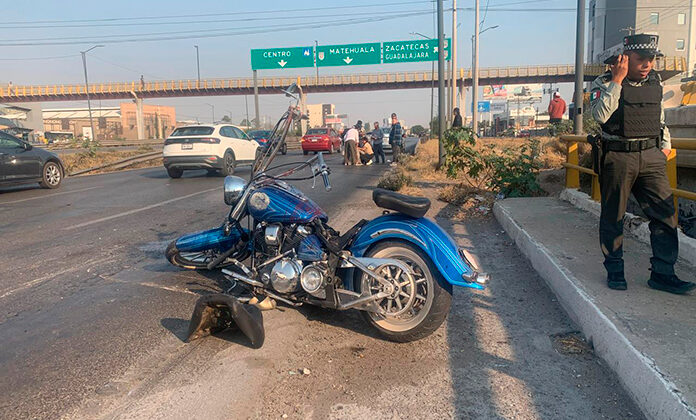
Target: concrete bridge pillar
139, 118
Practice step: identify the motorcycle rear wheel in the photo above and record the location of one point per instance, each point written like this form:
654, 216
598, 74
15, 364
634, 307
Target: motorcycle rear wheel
192, 260
434, 295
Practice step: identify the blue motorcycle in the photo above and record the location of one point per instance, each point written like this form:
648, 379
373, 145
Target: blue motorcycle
276, 246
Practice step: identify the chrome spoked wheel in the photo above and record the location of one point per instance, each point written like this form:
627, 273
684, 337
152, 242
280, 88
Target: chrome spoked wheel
422, 300
408, 306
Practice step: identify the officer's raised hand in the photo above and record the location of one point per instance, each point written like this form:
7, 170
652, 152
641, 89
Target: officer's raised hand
619, 70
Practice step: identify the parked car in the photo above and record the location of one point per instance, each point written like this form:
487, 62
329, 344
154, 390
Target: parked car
524, 133
22, 163
385, 138
262, 138
217, 148
322, 139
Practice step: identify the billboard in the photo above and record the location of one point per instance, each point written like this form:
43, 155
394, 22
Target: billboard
525, 93
495, 92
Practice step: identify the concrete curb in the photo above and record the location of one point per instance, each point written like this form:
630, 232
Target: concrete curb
657, 396
635, 225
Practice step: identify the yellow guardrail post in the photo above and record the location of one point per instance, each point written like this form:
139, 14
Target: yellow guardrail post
672, 176
572, 175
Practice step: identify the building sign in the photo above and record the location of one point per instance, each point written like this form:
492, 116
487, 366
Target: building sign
495, 92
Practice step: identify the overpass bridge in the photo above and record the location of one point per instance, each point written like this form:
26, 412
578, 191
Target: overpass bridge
667, 66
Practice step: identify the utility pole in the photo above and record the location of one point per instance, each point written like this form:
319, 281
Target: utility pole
198, 64
579, 67
453, 59
256, 99
212, 107
246, 105
475, 75
89, 103
440, 82
316, 51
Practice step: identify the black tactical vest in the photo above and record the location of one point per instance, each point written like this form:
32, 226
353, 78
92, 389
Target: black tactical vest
639, 111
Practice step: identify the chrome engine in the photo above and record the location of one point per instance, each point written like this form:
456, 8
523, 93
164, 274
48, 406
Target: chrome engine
285, 275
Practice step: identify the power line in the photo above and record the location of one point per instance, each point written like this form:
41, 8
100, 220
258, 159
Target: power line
128, 68
193, 22
221, 14
154, 37
194, 31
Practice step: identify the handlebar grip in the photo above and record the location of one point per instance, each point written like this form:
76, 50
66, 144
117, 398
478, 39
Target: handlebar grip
325, 176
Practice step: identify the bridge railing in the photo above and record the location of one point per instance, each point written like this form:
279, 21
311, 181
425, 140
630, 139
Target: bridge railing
173, 86
573, 168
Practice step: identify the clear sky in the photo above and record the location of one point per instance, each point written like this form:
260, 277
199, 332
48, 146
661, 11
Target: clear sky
529, 32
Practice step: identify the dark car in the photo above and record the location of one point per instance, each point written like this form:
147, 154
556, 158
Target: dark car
262, 137
22, 163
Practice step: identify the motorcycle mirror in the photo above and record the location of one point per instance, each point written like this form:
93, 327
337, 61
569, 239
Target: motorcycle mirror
291, 90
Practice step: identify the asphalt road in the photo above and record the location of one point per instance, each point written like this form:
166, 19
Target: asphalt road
93, 319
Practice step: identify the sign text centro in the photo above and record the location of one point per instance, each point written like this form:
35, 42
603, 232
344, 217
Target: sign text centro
282, 58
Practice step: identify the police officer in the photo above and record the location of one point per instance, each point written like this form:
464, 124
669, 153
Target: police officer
627, 102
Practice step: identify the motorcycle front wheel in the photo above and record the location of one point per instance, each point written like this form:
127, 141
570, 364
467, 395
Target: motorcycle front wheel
192, 260
433, 295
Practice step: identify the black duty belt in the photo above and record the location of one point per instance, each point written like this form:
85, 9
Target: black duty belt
629, 145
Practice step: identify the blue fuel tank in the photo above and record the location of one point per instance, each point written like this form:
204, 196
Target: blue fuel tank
283, 203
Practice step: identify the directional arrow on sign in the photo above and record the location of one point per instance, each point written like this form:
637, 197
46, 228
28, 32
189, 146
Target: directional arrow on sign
347, 60
282, 63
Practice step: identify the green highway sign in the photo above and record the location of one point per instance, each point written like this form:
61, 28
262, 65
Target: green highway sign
412, 51
349, 54
282, 58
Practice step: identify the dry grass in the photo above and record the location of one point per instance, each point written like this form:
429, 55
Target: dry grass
78, 161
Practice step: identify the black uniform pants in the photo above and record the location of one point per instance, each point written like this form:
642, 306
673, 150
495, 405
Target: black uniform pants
643, 174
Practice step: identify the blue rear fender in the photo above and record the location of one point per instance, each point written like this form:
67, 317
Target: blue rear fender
425, 234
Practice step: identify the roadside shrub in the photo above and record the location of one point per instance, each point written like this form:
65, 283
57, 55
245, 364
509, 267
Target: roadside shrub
510, 171
395, 180
561, 128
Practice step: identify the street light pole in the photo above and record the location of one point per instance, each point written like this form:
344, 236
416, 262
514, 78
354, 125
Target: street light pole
453, 49
579, 67
213, 109
432, 88
440, 82
474, 73
89, 102
198, 64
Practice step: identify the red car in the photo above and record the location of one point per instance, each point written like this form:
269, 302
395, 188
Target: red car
321, 140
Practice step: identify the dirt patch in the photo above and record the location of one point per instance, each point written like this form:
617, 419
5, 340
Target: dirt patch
571, 343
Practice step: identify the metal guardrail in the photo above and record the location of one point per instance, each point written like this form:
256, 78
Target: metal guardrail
191, 87
573, 168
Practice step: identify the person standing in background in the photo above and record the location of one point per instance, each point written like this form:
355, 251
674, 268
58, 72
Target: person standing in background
351, 138
557, 108
376, 135
395, 139
457, 122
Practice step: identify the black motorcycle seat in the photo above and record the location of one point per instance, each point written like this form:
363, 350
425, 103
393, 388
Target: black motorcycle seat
406, 204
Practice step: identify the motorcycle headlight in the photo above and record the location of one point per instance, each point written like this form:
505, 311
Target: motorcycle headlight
234, 187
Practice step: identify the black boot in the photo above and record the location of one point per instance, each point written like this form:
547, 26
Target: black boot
670, 283
616, 281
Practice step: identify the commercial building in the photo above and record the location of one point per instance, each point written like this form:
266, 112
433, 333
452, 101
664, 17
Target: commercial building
111, 123
318, 113
672, 20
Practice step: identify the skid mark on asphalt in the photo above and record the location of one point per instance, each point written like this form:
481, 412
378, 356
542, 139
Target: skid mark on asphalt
129, 212
88, 265
47, 196
150, 284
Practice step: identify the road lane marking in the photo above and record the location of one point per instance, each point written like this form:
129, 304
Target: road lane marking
47, 195
129, 212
